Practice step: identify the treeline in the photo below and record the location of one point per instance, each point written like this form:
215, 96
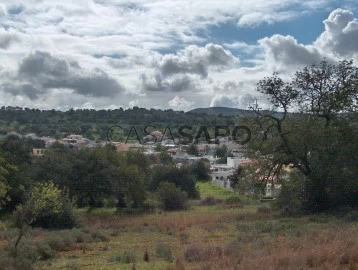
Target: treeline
96, 177
93, 124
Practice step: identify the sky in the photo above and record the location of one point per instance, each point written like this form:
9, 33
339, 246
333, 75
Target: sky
163, 54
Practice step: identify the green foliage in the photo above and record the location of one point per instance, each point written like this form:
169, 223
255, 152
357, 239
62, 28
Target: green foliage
208, 189
233, 199
45, 252
192, 150
319, 142
165, 158
4, 187
221, 151
86, 173
171, 197
164, 252
291, 198
201, 170
43, 199
130, 186
14, 171
93, 124
125, 257
181, 177
65, 218
22, 258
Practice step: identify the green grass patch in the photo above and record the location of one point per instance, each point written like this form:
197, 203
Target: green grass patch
208, 189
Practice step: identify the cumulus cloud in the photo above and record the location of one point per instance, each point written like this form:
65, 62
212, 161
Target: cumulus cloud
178, 72
181, 104
41, 71
341, 34
177, 83
224, 101
196, 60
338, 41
231, 94
286, 51
102, 55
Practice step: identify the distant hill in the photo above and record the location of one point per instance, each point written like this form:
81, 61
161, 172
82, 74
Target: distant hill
223, 111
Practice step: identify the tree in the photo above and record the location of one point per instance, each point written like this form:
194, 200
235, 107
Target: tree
201, 169
221, 151
129, 187
4, 187
43, 198
86, 173
181, 177
318, 140
327, 89
165, 158
192, 150
171, 197
15, 163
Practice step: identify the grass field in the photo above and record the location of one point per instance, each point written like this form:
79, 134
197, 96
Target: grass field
210, 235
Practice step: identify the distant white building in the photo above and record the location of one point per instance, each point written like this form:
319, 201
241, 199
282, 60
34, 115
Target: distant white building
221, 173
38, 152
272, 190
48, 141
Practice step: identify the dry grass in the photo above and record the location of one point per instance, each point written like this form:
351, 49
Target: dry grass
212, 237
327, 249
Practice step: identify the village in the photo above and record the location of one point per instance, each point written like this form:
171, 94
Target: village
222, 167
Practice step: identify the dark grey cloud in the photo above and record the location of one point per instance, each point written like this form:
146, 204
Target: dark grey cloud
42, 71
43, 64
22, 90
195, 60
179, 72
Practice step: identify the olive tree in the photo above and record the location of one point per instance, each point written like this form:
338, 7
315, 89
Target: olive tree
312, 128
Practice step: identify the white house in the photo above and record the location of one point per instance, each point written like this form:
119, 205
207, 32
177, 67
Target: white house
221, 173
272, 190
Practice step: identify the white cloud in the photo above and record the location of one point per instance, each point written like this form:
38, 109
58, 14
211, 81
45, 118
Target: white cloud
180, 104
338, 41
98, 49
285, 52
341, 34
196, 60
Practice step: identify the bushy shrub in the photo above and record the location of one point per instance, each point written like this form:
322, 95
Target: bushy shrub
196, 253
125, 257
290, 200
164, 252
22, 258
181, 177
62, 219
263, 209
171, 197
210, 201
233, 199
45, 252
128, 257
115, 258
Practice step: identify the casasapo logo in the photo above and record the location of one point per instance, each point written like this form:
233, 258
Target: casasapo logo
183, 134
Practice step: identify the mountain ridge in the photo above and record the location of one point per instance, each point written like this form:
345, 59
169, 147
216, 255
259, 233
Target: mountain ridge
226, 111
